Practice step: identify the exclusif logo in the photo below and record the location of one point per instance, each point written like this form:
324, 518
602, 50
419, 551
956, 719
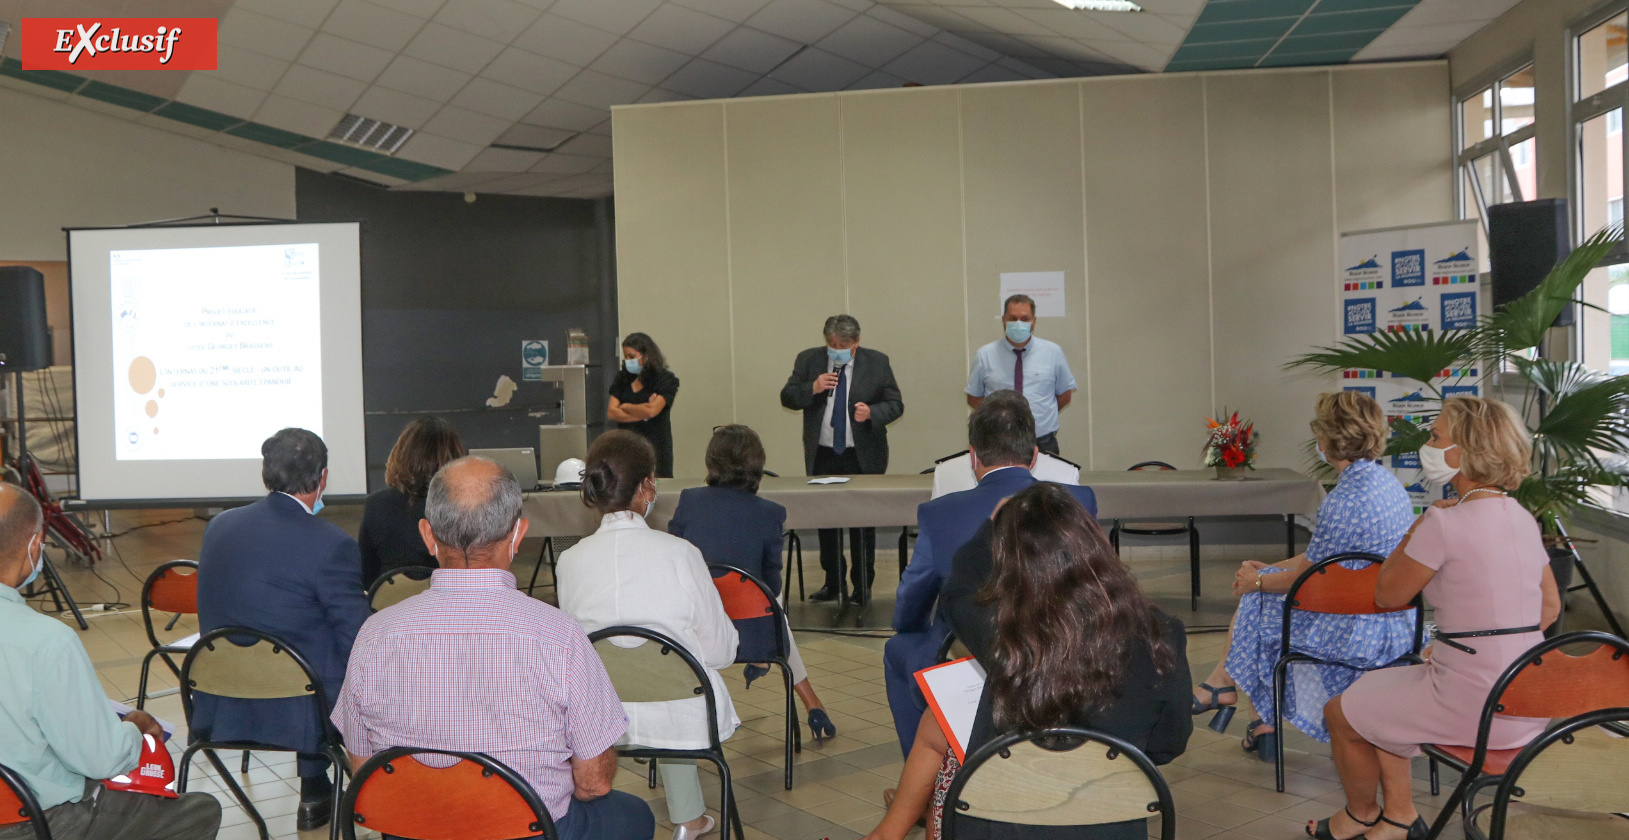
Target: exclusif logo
80, 44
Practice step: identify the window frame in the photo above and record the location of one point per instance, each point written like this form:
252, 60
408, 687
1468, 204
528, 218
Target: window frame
1499, 144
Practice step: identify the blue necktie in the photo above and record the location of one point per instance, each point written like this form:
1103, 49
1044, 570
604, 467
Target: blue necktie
839, 412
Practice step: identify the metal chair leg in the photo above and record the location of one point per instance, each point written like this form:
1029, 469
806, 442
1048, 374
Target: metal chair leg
1193, 566
1436, 788
792, 728
232, 785
245, 762
1281, 676
794, 548
727, 808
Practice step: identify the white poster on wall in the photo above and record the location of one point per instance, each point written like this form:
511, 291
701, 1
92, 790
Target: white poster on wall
1411, 279
1046, 287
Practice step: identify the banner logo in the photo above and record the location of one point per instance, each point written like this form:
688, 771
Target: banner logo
1408, 268
1410, 317
80, 44
1360, 316
1459, 311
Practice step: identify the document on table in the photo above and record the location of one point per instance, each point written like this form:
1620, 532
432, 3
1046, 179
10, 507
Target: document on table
830, 479
952, 691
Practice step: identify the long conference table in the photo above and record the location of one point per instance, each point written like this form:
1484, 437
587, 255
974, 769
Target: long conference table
883, 501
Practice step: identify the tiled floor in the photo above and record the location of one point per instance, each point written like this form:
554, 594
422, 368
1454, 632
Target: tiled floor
1220, 791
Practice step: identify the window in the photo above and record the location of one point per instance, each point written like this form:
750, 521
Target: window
1600, 95
1497, 145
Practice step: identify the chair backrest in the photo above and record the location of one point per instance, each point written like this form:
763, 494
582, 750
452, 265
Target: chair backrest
1328, 587
746, 597
1574, 766
477, 797
1143, 465
952, 648
18, 805
1095, 779
1547, 682
655, 671
397, 585
262, 669
171, 588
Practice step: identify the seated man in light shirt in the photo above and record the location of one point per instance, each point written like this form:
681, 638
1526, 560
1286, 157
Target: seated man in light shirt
475, 665
57, 729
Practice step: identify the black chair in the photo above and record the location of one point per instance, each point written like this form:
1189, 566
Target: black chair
951, 648
397, 585
660, 670
1327, 587
1163, 529
1574, 772
474, 798
265, 668
747, 598
18, 805
1066, 776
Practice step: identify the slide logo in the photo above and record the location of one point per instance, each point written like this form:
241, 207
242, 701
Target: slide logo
1360, 316
1408, 268
81, 44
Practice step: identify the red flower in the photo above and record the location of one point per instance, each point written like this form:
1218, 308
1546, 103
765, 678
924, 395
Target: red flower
1232, 456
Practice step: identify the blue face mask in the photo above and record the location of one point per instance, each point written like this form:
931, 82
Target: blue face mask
841, 357
632, 366
1018, 331
39, 566
316, 508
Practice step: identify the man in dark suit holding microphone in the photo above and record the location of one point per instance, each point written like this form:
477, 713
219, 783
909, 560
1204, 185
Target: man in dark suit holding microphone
848, 397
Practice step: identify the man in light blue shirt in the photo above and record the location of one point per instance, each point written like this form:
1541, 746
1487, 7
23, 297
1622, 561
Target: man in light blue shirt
57, 729
1046, 380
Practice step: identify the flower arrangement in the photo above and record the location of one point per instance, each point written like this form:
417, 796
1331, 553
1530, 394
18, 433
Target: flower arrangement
1231, 444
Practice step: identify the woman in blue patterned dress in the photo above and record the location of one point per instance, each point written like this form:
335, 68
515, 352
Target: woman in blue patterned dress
1368, 511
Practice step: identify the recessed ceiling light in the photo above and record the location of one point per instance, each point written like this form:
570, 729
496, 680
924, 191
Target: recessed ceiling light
1101, 5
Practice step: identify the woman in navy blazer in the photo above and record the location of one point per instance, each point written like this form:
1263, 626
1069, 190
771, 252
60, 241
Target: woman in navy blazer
733, 526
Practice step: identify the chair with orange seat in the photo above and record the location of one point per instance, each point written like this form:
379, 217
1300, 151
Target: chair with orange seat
1163, 529
171, 588
746, 597
18, 805
477, 797
1328, 587
1545, 682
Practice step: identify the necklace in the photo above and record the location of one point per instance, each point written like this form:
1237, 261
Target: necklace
1479, 490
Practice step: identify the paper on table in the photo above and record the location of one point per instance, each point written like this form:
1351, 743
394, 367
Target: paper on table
121, 710
830, 479
953, 690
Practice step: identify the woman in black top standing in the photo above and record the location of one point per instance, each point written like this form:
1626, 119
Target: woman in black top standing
642, 398
390, 519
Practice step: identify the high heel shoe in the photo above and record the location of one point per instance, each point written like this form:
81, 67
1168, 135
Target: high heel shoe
752, 672
1321, 832
1416, 830
820, 726
1265, 745
1224, 711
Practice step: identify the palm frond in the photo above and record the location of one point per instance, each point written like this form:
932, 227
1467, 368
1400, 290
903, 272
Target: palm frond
1406, 437
1522, 323
1573, 486
1556, 377
1417, 355
1581, 422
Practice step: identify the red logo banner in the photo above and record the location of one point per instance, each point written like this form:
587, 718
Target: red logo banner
79, 44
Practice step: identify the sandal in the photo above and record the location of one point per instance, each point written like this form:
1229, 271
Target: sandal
1224, 711
1322, 832
1265, 745
1418, 830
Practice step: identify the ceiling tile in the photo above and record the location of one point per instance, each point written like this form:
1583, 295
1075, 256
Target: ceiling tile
416, 8
1454, 11
373, 177
352, 59
619, 16
1147, 29
534, 137
678, 28
804, 21
500, 20
818, 70
504, 160
218, 95
1352, 41
902, 20
957, 42
749, 49
1022, 69
1433, 35
736, 10
566, 164
565, 40
448, 47
251, 69
308, 13
465, 125
1186, 8
878, 81
558, 113
373, 24
412, 75
1011, 22
457, 181
261, 34
499, 100
590, 145
1069, 48
660, 95
529, 71
770, 87
438, 151
938, 16
394, 106
640, 62
300, 117
1374, 19
319, 87
993, 73
509, 183
1240, 30
933, 64
600, 90
1068, 23
869, 41
268, 135
1221, 12
706, 80
1143, 56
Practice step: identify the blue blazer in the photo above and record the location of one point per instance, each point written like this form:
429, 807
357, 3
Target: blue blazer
741, 529
945, 525
272, 567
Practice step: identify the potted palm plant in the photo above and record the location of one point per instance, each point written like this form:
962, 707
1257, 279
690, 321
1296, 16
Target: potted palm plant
1578, 417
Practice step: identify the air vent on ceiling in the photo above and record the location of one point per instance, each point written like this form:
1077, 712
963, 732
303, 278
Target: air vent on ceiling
370, 134
5, 31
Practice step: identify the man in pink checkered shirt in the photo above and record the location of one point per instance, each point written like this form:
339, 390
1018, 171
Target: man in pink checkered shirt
475, 665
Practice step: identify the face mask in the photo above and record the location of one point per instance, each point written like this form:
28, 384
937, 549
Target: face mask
1018, 331
632, 366
1322, 456
317, 508
650, 505
840, 356
39, 566
1434, 464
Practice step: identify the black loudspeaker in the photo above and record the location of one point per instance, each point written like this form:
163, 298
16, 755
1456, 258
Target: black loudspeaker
1525, 240
25, 341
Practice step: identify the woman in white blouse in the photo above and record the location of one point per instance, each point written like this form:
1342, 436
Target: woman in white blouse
629, 574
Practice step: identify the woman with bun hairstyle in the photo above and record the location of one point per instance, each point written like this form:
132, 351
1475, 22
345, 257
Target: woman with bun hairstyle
629, 574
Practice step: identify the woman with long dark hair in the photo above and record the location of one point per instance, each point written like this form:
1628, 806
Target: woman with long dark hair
642, 397
1076, 643
390, 518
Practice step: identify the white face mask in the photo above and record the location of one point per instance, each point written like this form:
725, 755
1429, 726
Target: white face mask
1322, 456
651, 505
1434, 464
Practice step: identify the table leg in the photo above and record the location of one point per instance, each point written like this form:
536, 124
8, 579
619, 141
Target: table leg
1289, 535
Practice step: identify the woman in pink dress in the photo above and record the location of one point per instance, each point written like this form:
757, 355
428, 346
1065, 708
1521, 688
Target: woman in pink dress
1481, 562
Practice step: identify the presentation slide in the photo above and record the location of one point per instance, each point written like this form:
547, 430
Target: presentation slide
194, 344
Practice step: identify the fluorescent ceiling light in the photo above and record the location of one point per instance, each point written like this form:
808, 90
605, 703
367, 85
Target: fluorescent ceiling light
1101, 5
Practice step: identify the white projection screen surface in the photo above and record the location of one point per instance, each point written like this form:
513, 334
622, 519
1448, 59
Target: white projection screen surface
192, 345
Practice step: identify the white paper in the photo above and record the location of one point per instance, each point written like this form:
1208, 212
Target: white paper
830, 479
121, 710
953, 691
185, 642
1046, 287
